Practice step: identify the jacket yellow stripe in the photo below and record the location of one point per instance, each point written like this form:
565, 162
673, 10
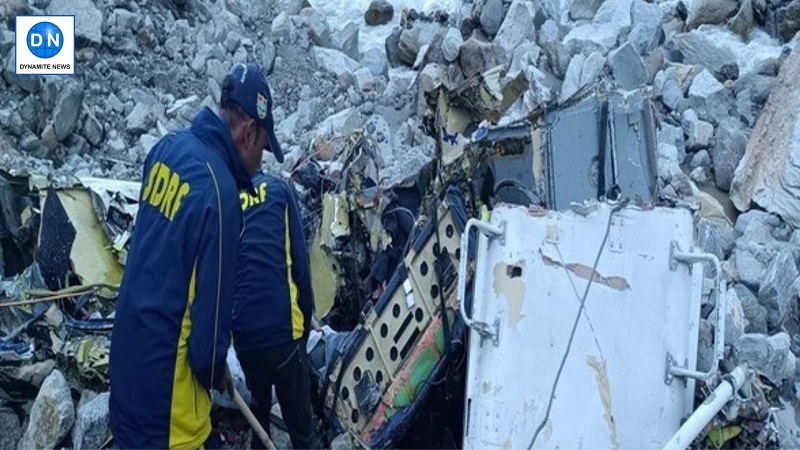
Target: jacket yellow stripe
191, 404
297, 314
219, 273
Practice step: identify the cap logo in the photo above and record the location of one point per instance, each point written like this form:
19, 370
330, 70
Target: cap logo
261, 106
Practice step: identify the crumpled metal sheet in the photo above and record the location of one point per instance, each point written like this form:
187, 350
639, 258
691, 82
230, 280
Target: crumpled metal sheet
91, 255
116, 204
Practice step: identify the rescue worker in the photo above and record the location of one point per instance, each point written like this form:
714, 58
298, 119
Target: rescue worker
172, 325
273, 307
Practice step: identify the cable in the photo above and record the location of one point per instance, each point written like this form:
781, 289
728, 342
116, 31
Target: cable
575, 324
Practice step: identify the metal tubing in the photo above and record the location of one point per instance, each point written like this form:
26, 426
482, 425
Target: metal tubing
722, 309
489, 230
706, 412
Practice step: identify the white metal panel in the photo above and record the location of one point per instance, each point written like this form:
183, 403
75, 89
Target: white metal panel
612, 392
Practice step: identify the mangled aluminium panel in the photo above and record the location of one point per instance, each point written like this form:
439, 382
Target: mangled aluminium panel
597, 145
397, 345
612, 392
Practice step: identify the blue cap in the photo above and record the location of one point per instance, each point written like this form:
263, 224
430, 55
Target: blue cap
247, 86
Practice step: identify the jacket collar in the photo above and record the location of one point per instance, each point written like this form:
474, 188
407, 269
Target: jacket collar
214, 132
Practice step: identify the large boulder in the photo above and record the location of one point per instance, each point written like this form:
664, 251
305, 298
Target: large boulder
92, 426
379, 12
52, 414
610, 25
729, 146
770, 168
517, 27
710, 11
88, 19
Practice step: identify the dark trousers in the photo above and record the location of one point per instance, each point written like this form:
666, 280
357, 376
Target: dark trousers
286, 367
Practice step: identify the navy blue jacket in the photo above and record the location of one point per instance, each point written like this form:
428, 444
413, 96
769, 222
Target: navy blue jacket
172, 326
273, 301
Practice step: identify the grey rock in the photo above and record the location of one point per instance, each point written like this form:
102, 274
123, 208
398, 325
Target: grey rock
709, 98
343, 442
790, 24
735, 319
392, 47
399, 84
774, 293
646, 21
492, 16
477, 56
766, 174
430, 78
699, 176
282, 24
334, 61
767, 355
451, 45
376, 62
671, 95
668, 161
29, 83
379, 12
670, 134
12, 431
7, 40
572, 81
346, 40
517, 27
700, 47
121, 22
728, 149
92, 425
147, 142
319, 32
88, 18
364, 79
754, 312
627, 67
750, 269
233, 41
558, 56
172, 46
610, 25
115, 103
743, 22
216, 70
307, 111
204, 52
698, 132
710, 12
715, 238
52, 414
408, 46
756, 225
92, 130
700, 159
140, 119
705, 346
755, 87
291, 7
584, 9
68, 109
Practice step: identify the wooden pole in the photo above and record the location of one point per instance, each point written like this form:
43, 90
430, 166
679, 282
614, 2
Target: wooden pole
251, 419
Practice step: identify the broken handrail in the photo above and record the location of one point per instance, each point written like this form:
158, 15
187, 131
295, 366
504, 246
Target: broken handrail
484, 329
695, 424
722, 308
